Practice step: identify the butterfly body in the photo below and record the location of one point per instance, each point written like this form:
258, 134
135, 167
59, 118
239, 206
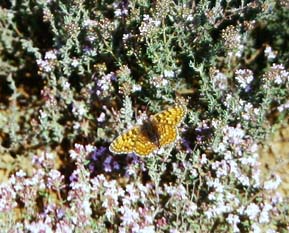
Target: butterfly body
149, 130
157, 131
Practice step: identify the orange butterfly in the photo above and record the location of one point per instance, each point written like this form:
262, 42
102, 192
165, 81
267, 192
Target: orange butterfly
157, 131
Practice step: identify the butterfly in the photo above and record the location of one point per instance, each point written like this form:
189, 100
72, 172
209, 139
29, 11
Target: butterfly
154, 133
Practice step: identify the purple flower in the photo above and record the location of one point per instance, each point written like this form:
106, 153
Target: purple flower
98, 152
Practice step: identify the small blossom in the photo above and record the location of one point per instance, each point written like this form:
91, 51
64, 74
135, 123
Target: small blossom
159, 81
244, 77
107, 164
50, 55
120, 9
79, 109
272, 184
39, 226
269, 53
190, 18
104, 84
277, 198
54, 179
8, 198
233, 135
136, 87
148, 229
283, 107
169, 73
47, 65
20, 174
215, 183
43, 114
129, 216
89, 23
256, 228
219, 79
98, 152
73, 155
227, 155
148, 25
233, 220
252, 211
244, 180
264, 215
127, 36
74, 62
191, 208
277, 74
89, 148
204, 159
86, 207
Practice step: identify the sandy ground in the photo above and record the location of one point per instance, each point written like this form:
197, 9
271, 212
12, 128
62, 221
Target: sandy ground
274, 158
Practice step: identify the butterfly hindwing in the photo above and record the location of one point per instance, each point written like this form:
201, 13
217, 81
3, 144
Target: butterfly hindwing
143, 146
168, 134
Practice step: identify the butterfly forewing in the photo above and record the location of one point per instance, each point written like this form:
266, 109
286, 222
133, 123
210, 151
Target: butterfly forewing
172, 116
132, 141
125, 143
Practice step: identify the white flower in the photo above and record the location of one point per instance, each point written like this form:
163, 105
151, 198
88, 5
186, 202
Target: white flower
269, 53
44, 65
264, 215
136, 87
50, 55
283, 107
147, 229
272, 184
244, 77
89, 23
125, 37
20, 173
191, 209
89, 148
233, 135
215, 183
169, 73
252, 211
129, 216
255, 228
190, 18
181, 192
54, 174
204, 159
233, 220
244, 180
220, 80
79, 109
86, 207
74, 62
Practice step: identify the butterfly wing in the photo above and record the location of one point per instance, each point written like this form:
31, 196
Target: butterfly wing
143, 146
125, 143
168, 134
167, 122
172, 116
132, 141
